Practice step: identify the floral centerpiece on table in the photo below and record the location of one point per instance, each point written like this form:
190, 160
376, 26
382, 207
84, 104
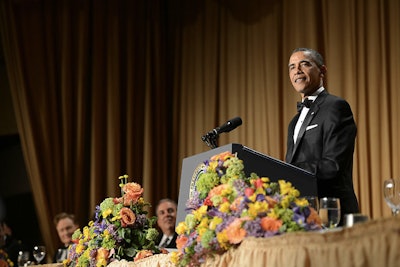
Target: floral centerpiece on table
5, 260
227, 206
120, 230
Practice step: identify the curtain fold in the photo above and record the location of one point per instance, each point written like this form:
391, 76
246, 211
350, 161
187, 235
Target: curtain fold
104, 88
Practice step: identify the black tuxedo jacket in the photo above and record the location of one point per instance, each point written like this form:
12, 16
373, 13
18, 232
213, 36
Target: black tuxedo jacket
325, 147
172, 243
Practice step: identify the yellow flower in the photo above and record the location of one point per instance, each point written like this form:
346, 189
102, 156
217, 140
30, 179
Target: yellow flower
174, 257
256, 208
106, 213
272, 214
80, 248
225, 207
214, 222
204, 222
181, 228
223, 239
212, 165
301, 202
226, 191
201, 231
285, 187
285, 202
265, 179
106, 233
200, 212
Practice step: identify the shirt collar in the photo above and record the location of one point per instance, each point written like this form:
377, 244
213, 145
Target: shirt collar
316, 93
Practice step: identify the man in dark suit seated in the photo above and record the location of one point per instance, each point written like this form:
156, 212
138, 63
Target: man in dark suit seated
166, 219
66, 225
321, 136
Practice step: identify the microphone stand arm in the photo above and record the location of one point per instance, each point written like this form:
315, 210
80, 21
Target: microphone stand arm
211, 139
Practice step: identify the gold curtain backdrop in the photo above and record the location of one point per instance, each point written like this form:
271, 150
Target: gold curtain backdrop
104, 88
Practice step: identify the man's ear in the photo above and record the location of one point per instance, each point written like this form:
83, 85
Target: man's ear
323, 70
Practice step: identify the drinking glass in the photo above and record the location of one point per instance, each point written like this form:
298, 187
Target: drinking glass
313, 202
38, 253
329, 211
23, 258
391, 192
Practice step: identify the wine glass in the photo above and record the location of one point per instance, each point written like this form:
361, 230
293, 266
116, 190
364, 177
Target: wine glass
391, 192
329, 211
313, 202
23, 258
38, 253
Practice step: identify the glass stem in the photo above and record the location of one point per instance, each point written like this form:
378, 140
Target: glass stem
395, 212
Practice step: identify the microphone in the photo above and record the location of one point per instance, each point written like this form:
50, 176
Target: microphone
211, 137
228, 126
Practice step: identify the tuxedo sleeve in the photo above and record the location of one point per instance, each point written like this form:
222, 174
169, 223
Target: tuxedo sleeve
337, 141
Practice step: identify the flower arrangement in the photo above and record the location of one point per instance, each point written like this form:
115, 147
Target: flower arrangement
120, 230
5, 260
227, 206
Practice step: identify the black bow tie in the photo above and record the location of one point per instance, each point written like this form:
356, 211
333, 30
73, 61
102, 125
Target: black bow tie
306, 103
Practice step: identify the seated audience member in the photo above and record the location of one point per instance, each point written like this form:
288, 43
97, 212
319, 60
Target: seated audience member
66, 225
9, 243
166, 219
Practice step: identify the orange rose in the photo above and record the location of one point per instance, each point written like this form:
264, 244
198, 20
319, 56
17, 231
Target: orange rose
236, 203
271, 202
133, 192
127, 217
222, 156
217, 191
314, 217
102, 253
181, 241
143, 254
234, 232
269, 224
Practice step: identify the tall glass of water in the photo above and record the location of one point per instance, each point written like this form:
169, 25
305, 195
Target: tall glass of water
391, 192
23, 258
329, 211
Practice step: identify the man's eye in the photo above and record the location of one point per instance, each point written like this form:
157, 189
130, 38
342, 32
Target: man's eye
170, 210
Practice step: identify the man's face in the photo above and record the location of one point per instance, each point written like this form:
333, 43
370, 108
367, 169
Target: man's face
65, 228
305, 75
166, 217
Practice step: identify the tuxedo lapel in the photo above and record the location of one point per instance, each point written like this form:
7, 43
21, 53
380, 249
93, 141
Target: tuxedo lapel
310, 115
313, 110
290, 144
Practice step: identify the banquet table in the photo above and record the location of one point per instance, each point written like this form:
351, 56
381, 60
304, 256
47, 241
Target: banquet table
371, 244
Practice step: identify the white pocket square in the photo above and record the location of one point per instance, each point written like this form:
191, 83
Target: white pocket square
311, 127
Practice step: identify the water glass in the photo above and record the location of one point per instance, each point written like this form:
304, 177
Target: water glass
329, 211
313, 202
39, 252
23, 258
391, 192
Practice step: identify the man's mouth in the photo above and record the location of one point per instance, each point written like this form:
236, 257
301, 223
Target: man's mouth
300, 79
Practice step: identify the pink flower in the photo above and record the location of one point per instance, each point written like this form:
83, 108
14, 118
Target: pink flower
181, 241
235, 232
248, 191
133, 192
270, 224
143, 254
127, 217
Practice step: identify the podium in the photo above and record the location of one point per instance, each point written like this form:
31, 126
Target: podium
262, 165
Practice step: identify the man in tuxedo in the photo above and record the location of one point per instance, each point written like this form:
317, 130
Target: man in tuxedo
321, 136
166, 219
66, 225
